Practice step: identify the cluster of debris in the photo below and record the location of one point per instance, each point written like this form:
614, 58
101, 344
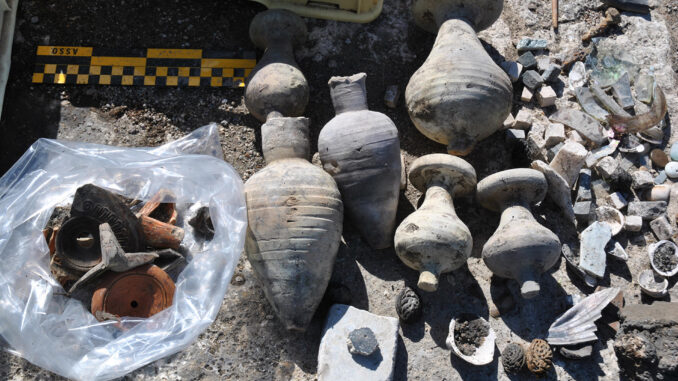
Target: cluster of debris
119, 255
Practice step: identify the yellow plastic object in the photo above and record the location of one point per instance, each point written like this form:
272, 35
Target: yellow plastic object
359, 11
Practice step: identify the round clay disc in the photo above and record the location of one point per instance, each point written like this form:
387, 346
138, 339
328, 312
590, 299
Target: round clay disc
140, 292
454, 171
520, 185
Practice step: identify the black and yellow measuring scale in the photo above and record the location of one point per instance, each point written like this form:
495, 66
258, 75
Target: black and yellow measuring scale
77, 65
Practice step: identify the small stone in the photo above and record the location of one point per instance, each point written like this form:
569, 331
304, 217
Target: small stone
616, 250
674, 152
592, 256
529, 44
618, 200
600, 153
362, 342
582, 210
659, 158
35, 20
569, 160
513, 135
513, 69
660, 193
547, 97
645, 88
551, 73
577, 76
526, 95
555, 133
528, 61
642, 180
607, 166
648, 210
633, 223
661, 178
575, 136
601, 191
543, 63
523, 120
621, 90
391, 96
536, 143
671, 169
532, 79
662, 228
335, 362
584, 185
585, 99
577, 352
582, 122
510, 121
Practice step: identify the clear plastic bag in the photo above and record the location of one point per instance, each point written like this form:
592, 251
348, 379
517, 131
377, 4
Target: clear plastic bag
58, 333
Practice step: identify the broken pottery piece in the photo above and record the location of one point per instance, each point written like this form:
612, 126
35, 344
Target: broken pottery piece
295, 216
571, 254
577, 325
337, 363
577, 76
484, 353
592, 258
538, 357
276, 84
161, 207
589, 104
433, 240
577, 352
161, 235
202, 223
653, 284
645, 88
664, 258
139, 292
653, 135
513, 69
613, 217
459, 96
621, 90
113, 257
520, 248
582, 123
599, 153
360, 149
616, 250
558, 190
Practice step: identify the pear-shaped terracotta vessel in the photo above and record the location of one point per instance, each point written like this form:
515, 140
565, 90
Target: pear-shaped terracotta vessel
433, 240
295, 219
520, 248
459, 95
361, 150
276, 84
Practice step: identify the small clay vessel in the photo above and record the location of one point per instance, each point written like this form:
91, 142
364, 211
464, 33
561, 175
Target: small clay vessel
361, 150
459, 95
520, 248
433, 240
295, 219
276, 83
141, 292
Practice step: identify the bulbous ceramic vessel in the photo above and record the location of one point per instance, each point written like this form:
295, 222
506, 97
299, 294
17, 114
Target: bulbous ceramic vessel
459, 95
276, 84
520, 248
433, 240
295, 217
361, 150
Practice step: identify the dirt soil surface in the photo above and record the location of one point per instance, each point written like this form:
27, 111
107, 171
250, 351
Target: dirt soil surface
246, 342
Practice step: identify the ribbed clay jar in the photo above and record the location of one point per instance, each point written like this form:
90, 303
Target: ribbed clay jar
276, 84
361, 150
520, 248
459, 96
295, 216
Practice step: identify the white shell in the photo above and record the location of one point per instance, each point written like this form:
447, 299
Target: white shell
651, 250
483, 355
613, 217
671, 169
650, 284
577, 325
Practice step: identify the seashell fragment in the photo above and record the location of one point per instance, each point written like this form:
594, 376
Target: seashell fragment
652, 284
484, 353
577, 325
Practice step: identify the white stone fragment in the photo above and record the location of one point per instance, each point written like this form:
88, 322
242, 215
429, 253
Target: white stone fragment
618, 201
523, 120
513, 69
569, 160
607, 166
575, 136
526, 96
555, 133
633, 223
592, 256
509, 122
546, 96
336, 363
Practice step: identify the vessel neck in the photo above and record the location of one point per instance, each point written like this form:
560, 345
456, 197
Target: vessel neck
515, 212
348, 93
437, 196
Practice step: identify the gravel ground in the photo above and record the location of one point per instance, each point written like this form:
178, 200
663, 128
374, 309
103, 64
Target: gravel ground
246, 341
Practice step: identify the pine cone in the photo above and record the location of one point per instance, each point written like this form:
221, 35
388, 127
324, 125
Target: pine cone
408, 305
538, 357
513, 358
